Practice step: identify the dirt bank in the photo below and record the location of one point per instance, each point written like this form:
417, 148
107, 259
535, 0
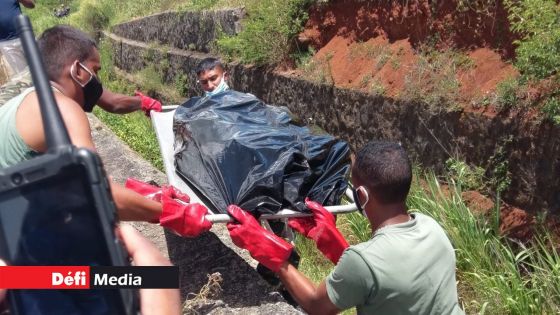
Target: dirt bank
380, 46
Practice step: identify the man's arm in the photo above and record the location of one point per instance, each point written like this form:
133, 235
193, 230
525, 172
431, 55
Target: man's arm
313, 299
123, 104
118, 103
272, 251
131, 205
30, 4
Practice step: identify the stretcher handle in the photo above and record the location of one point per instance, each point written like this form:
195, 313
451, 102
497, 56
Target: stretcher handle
286, 213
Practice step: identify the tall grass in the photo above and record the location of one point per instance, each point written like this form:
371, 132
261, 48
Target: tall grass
496, 275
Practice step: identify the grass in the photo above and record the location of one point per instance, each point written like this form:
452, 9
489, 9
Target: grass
496, 274
136, 130
507, 93
433, 79
317, 70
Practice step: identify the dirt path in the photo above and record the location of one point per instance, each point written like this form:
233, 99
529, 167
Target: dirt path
242, 289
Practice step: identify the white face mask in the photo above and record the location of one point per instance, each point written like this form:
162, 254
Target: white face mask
223, 86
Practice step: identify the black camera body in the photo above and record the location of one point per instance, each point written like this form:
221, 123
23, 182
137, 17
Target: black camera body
57, 210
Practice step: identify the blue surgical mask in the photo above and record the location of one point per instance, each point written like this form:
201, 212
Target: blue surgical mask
223, 86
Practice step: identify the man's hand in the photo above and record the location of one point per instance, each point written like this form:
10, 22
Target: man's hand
322, 229
154, 192
268, 249
148, 104
30, 4
185, 219
144, 253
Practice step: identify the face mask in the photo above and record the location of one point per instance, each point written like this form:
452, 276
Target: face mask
357, 201
92, 89
223, 86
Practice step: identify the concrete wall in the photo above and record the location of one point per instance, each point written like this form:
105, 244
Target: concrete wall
531, 148
184, 30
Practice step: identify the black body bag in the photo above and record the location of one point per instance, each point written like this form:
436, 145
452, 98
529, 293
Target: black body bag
234, 149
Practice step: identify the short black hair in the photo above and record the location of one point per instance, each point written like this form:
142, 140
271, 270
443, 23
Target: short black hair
61, 45
208, 64
385, 169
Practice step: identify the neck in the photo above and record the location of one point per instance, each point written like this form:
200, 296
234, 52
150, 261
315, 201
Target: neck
66, 86
385, 215
59, 87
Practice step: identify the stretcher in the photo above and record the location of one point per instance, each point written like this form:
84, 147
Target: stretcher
163, 125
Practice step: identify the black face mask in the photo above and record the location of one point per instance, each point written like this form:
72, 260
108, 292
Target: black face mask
92, 90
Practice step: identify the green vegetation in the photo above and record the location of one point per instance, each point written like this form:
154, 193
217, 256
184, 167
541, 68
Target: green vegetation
496, 275
432, 80
136, 130
316, 70
268, 32
538, 23
551, 109
466, 176
506, 93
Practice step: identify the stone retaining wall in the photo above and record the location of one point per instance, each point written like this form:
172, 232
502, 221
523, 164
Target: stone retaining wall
529, 149
185, 30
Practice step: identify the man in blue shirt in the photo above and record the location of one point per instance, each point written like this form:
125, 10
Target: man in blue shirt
9, 9
12, 59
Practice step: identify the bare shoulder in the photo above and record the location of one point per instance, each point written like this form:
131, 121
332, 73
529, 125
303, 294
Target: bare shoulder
30, 124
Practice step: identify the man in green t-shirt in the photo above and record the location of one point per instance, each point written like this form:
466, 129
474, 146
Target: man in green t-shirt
407, 267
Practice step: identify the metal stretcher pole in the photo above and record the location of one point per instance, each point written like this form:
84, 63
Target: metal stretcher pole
287, 213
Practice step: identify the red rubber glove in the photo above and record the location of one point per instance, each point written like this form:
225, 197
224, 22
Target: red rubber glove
154, 192
148, 104
267, 248
321, 228
187, 220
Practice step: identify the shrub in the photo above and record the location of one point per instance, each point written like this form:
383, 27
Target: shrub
506, 93
551, 109
268, 31
538, 23
466, 176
